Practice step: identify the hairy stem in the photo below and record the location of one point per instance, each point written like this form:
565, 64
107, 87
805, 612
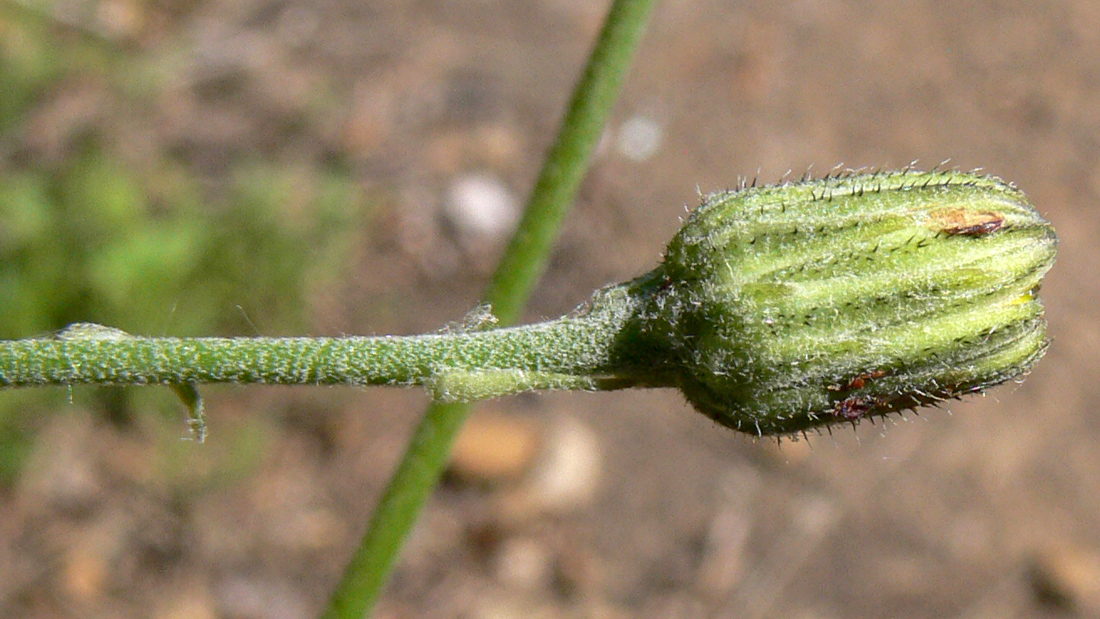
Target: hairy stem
574, 352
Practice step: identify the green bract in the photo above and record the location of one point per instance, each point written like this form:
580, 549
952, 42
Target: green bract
787, 307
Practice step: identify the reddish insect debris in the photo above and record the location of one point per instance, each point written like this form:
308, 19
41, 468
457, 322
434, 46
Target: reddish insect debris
979, 229
859, 382
854, 407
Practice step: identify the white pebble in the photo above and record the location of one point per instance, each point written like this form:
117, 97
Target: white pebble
481, 206
639, 138
565, 477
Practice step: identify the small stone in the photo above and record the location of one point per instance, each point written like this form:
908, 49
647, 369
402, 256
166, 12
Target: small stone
524, 563
481, 207
1067, 577
639, 138
493, 447
565, 475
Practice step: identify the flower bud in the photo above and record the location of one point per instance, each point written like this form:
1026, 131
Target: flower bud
800, 305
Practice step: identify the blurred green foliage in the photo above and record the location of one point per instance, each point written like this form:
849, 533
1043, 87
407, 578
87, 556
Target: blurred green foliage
87, 243
153, 247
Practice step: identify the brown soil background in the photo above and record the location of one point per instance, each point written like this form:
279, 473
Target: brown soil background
972, 513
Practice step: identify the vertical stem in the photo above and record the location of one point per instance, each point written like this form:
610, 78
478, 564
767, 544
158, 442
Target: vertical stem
525, 259
519, 269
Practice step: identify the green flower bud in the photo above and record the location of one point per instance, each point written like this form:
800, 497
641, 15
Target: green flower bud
789, 307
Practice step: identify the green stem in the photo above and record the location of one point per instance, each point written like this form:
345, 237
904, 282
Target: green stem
526, 257
519, 269
574, 352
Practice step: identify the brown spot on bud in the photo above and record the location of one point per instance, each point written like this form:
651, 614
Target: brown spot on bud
957, 221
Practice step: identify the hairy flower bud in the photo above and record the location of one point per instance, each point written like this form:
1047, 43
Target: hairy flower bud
788, 307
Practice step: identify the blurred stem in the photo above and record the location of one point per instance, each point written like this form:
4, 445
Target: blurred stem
523, 263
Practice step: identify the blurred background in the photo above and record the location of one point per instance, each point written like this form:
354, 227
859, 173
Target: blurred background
290, 167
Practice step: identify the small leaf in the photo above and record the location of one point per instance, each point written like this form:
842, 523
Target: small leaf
89, 331
196, 421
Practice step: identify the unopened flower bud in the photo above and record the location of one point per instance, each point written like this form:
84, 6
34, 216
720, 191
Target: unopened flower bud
788, 307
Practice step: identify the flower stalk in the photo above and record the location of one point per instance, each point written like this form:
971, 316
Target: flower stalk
776, 309
573, 352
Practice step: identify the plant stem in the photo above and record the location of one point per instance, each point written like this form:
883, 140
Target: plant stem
519, 269
574, 352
